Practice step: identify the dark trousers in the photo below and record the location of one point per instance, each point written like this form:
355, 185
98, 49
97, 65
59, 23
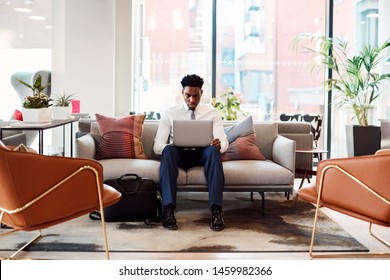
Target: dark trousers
210, 158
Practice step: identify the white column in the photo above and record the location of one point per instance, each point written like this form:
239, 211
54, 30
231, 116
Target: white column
83, 54
123, 53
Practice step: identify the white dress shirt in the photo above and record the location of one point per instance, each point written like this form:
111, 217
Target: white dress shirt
181, 112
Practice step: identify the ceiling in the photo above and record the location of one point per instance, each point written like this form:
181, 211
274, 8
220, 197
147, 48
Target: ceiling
25, 23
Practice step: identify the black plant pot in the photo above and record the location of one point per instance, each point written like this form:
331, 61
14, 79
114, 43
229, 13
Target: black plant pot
363, 140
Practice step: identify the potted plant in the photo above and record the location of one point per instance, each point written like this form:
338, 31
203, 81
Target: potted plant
62, 106
229, 105
355, 82
36, 106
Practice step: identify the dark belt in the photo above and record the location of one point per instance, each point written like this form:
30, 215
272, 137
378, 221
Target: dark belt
190, 149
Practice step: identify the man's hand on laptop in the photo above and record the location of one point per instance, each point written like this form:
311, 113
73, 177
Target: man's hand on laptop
216, 142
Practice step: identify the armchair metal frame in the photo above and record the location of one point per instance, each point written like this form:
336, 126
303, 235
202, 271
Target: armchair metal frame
50, 190
318, 205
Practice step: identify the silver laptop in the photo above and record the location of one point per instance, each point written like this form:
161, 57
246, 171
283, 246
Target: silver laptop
192, 133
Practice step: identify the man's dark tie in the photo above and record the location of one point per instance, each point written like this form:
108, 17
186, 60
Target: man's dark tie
192, 114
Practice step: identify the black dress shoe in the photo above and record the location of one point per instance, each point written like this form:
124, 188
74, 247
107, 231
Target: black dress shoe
169, 221
217, 223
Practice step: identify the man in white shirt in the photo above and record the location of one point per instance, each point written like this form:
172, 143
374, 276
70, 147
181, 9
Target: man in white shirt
174, 157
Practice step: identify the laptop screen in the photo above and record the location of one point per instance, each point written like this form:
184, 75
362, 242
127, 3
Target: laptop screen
192, 133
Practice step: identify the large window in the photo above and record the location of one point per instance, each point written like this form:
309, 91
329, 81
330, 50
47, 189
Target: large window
252, 54
358, 22
173, 39
270, 76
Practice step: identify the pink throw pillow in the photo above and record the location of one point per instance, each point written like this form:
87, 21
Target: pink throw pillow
121, 137
243, 148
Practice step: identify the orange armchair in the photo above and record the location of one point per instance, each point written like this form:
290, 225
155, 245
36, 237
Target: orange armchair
38, 191
358, 187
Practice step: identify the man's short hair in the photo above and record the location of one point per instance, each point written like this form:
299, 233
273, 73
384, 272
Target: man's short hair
192, 81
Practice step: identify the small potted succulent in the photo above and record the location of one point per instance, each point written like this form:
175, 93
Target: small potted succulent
62, 108
36, 106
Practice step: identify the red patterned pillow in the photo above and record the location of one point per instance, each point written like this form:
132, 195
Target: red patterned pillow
244, 147
121, 137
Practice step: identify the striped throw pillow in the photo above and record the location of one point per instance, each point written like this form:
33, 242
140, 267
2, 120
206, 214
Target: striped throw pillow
121, 137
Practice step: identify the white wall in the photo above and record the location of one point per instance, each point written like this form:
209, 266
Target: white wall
91, 55
123, 64
16, 60
83, 53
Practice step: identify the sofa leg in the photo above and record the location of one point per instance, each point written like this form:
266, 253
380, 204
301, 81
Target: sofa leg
262, 203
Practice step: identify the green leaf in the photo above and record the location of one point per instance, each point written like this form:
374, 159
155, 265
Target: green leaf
354, 79
24, 83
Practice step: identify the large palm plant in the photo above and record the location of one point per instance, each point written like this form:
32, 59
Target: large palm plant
354, 77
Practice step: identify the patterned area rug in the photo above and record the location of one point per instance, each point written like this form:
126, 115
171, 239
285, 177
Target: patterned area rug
285, 227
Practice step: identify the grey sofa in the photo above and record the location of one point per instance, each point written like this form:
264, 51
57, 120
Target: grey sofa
301, 134
13, 138
275, 174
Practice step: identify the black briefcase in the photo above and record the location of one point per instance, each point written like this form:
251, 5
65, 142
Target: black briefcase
140, 200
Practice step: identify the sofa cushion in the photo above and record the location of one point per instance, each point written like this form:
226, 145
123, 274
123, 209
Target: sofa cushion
149, 131
195, 176
293, 127
121, 137
148, 134
266, 133
145, 168
242, 128
244, 148
255, 173
246, 173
